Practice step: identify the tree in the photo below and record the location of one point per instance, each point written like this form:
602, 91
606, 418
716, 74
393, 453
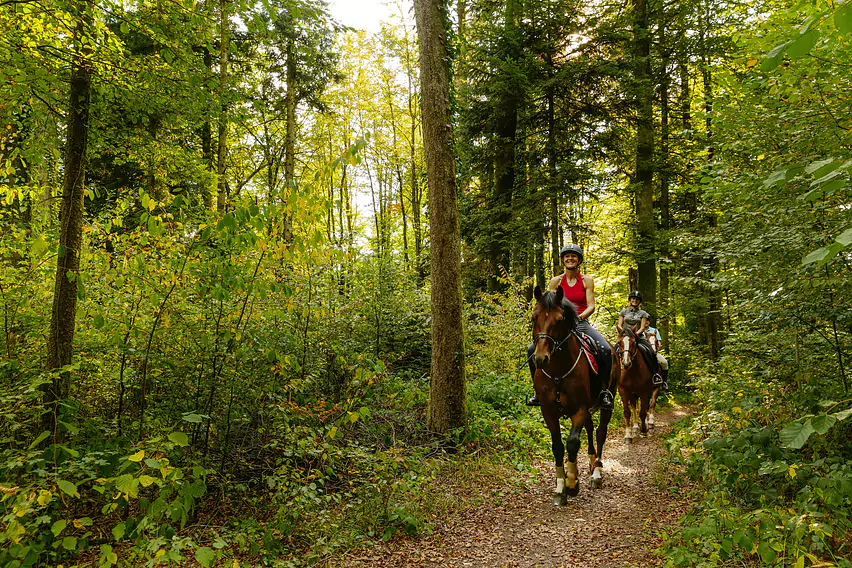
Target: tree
60, 339
447, 408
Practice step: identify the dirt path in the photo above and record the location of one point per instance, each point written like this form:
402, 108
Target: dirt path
612, 527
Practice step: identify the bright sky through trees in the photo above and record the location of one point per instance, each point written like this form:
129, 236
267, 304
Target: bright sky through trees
361, 14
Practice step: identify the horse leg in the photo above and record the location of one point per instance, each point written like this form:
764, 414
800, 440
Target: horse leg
628, 424
572, 445
590, 427
597, 467
559, 494
644, 403
652, 407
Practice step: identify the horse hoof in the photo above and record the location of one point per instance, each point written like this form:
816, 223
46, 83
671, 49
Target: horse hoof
596, 483
651, 426
559, 500
644, 434
573, 492
628, 440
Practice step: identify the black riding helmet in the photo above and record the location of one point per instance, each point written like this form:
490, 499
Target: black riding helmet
635, 294
571, 247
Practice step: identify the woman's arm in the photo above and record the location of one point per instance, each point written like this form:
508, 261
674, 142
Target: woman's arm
643, 326
589, 284
620, 325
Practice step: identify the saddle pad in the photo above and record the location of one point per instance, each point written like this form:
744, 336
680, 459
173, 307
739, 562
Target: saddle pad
588, 346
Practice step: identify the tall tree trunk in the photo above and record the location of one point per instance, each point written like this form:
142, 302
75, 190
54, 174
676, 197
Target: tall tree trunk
221, 155
60, 339
553, 200
665, 223
504, 159
644, 156
447, 407
207, 132
710, 262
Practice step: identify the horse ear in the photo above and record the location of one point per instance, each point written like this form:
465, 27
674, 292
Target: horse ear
559, 295
537, 293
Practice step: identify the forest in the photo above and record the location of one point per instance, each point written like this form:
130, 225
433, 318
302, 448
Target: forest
266, 279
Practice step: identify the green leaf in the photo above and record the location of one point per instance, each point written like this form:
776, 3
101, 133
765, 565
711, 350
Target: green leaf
205, 556
118, 531
69, 542
39, 439
127, 484
820, 255
845, 238
137, 457
822, 167
58, 527
843, 19
179, 438
766, 553
822, 423
796, 434
39, 246
802, 45
193, 418
98, 321
778, 175
68, 488
843, 414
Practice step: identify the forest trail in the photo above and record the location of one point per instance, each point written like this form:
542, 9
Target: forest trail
521, 529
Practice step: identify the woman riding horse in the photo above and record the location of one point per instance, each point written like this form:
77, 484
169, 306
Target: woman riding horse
562, 379
640, 382
580, 291
639, 321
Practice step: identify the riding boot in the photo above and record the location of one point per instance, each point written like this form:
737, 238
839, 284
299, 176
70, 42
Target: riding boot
605, 398
533, 400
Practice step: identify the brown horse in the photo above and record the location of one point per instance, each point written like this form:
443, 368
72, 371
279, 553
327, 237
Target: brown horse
562, 384
636, 384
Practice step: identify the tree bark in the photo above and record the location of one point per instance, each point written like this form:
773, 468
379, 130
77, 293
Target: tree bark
644, 157
447, 407
60, 340
663, 315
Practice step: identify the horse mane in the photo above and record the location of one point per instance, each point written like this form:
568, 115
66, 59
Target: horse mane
569, 311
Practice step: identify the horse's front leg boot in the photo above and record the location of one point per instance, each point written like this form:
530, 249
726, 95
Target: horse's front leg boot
572, 479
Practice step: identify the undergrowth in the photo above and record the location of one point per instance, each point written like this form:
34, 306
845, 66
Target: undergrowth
770, 481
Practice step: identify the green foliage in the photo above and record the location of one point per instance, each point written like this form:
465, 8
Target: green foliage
760, 498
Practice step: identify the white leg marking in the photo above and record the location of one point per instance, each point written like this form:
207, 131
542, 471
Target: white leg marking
650, 420
628, 432
560, 484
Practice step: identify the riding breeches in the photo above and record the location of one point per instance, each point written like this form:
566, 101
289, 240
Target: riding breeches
664, 364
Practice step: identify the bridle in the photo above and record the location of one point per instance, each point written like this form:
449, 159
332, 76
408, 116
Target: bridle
631, 353
556, 347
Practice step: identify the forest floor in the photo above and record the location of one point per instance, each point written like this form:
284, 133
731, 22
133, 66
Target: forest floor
514, 525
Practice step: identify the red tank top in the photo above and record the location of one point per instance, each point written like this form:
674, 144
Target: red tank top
576, 294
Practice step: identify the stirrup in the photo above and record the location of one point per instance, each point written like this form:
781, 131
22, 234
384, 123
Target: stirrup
605, 399
657, 380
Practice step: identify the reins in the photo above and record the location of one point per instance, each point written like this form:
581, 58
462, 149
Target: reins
558, 379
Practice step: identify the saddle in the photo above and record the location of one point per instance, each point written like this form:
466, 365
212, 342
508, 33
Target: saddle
649, 355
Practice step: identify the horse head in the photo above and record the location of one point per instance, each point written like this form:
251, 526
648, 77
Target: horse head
627, 347
651, 338
554, 318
